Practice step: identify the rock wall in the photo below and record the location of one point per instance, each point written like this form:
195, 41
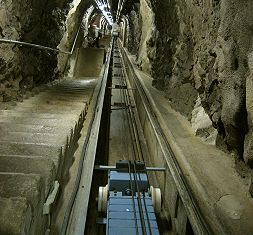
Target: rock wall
40, 22
148, 27
199, 52
78, 17
134, 30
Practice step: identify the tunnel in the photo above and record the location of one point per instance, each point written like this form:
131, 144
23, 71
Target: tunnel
123, 117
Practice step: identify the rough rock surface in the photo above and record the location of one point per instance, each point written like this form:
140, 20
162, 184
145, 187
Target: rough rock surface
202, 125
202, 48
248, 145
148, 27
134, 31
40, 22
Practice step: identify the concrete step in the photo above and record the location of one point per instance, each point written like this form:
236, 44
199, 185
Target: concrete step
53, 102
73, 89
12, 127
37, 142
36, 138
85, 82
82, 98
15, 216
28, 186
26, 113
49, 151
68, 124
21, 185
69, 91
67, 145
44, 167
60, 96
52, 110
53, 105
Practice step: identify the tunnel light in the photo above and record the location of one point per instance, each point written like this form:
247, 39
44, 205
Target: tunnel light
120, 7
107, 14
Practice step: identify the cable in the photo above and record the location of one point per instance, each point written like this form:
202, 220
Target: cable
129, 116
144, 232
133, 201
138, 153
144, 202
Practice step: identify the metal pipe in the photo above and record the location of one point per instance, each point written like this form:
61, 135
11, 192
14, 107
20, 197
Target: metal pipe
113, 168
74, 43
120, 7
9, 41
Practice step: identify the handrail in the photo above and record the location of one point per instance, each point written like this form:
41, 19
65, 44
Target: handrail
74, 43
9, 41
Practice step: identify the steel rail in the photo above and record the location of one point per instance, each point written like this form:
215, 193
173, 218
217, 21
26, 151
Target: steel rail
132, 121
141, 195
135, 123
142, 199
138, 151
146, 209
125, 114
144, 231
40, 47
133, 201
123, 126
199, 225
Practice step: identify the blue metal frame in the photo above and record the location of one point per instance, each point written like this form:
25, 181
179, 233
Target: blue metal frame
121, 217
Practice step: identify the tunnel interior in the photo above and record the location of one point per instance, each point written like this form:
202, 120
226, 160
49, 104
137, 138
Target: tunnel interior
193, 62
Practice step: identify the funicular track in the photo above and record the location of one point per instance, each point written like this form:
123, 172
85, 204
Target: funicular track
135, 149
40, 138
133, 153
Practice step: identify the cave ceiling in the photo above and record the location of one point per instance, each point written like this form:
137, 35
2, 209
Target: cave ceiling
128, 6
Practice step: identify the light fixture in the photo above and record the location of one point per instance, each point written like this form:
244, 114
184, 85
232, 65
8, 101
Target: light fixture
102, 5
120, 7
